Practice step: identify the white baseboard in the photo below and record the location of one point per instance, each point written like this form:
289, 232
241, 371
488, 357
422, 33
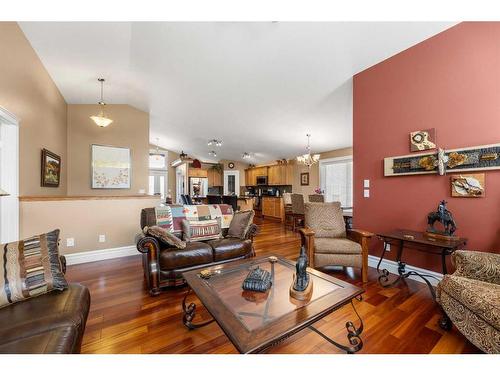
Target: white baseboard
96, 255
392, 267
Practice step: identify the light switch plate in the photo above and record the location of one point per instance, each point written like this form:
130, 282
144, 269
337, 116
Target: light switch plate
70, 242
366, 184
102, 238
366, 193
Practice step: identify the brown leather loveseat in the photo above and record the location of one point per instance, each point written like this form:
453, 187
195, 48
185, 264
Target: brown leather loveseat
163, 264
51, 323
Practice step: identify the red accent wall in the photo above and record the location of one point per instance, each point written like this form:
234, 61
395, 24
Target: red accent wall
450, 82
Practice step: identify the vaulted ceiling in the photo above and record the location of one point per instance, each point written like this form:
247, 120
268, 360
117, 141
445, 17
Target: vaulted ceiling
258, 86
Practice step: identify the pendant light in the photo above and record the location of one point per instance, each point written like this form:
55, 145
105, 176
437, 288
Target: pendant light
101, 120
307, 158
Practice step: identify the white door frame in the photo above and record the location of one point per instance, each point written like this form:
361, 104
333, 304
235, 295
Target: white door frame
236, 175
9, 176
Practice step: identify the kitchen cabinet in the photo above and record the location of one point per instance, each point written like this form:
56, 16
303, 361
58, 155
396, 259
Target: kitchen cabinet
280, 174
273, 207
252, 173
197, 172
214, 177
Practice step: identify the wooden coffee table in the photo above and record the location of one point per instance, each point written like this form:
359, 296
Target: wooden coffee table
255, 321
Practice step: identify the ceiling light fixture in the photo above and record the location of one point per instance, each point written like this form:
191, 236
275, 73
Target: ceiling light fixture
215, 142
101, 120
212, 153
307, 158
245, 155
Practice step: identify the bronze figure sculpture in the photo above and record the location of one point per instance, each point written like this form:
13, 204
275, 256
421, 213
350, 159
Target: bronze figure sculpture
443, 216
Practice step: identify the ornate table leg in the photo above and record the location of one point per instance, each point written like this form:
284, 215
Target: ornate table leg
383, 279
353, 335
189, 314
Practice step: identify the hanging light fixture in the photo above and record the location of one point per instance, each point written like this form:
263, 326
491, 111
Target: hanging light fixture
245, 155
307, 158
212, 153
101, 119
215, 142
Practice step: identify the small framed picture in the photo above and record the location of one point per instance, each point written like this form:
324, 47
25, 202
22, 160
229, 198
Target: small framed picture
51, 169
304, 179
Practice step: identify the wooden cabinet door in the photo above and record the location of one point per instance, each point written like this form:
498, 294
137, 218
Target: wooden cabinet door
289, 175
267, 207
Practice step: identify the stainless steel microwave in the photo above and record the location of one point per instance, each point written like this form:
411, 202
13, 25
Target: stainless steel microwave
261, 180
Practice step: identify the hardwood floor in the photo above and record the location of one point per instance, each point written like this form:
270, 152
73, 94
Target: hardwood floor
125, 319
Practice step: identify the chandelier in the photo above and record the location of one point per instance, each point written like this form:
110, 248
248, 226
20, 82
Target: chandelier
215, 142
307, 158
101, 119
246, 155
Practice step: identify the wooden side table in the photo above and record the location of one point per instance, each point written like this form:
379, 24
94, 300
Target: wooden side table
420, 241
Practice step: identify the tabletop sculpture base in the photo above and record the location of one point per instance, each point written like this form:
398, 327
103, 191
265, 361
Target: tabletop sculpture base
301, 295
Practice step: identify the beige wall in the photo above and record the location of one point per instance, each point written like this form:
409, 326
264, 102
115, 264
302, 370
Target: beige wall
27, 91
171, 174
314, 172
84, 220
130, 128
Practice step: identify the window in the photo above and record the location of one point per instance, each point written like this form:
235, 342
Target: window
336, 180
158, 174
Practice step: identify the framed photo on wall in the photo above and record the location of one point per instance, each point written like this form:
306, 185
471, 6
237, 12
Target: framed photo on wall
111, 167
51, 169
304, 179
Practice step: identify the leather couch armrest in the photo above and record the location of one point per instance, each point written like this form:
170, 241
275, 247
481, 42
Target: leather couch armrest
477, 265
252, 232
145, 243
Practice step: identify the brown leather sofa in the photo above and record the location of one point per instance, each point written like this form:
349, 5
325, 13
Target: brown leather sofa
52, 323
163, 265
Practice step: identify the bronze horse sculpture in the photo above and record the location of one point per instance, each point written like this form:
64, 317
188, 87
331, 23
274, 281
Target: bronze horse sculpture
443, 216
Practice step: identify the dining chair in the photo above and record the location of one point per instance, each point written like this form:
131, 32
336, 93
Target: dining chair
297, 211
319, 198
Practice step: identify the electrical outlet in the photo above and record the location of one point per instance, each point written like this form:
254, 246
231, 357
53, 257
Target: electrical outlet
102, 238
366, 184
387, 246
70, 242
366, 193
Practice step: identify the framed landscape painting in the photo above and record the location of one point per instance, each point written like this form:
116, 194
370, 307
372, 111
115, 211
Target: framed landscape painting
51, 169
111, 167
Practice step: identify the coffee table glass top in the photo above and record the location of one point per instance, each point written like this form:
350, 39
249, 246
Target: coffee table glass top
255, 309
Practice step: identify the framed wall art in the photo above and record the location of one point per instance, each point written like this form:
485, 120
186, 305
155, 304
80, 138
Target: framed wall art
467, 185
422, 140
467, 159
111, 167
304, 179
51, 169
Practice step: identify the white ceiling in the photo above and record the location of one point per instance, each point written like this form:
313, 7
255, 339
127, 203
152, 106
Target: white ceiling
260, 87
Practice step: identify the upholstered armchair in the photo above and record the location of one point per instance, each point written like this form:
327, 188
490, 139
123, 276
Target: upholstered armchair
327, 241
470, 298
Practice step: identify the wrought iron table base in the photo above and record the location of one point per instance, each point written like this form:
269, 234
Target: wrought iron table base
353, 333
383, 278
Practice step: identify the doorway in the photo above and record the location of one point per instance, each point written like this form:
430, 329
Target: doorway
231, 182
9, 176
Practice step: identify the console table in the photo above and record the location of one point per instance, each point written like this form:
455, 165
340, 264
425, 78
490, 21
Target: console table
420, 241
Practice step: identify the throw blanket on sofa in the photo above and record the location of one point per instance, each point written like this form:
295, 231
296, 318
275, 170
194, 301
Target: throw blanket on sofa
170, 217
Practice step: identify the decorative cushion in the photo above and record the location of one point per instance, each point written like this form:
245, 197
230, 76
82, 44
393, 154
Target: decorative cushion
325, 219
201, 230
336, 246
30, 267
165, 236
240, 224
170, 217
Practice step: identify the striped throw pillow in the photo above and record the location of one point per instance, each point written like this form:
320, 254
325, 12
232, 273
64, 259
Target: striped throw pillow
30, 267
201, 230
